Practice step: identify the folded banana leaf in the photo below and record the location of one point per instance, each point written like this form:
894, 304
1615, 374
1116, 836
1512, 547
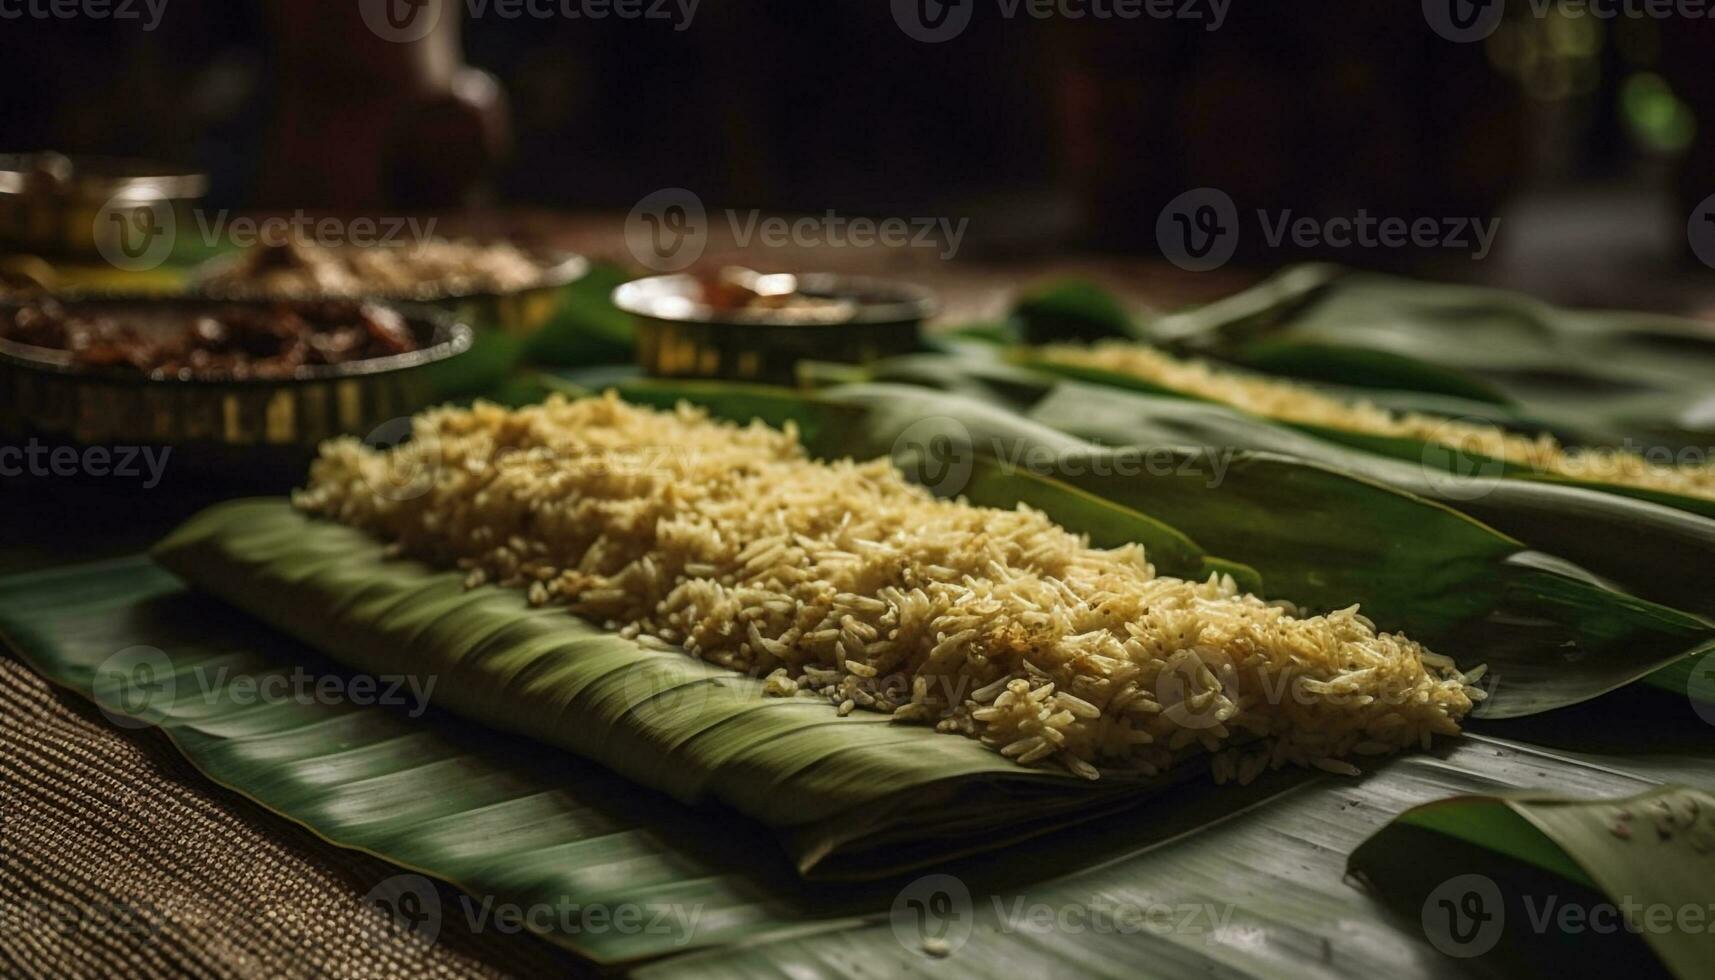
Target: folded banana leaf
1209, 881
1578, 523
1540, 871
1320, 537
851, 796
1581, 525
1615, 375
1455, 462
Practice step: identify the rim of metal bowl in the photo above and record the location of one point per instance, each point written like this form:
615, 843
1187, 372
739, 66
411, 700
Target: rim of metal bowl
879, 301
98, 177
449, 337
558, 270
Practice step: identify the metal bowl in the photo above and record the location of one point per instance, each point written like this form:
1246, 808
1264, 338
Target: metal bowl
517, 313
680, 336
222, 421
92, 207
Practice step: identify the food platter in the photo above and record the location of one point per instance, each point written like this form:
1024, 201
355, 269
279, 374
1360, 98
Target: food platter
215, 416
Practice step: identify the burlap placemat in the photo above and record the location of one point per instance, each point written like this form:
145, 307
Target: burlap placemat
117, 859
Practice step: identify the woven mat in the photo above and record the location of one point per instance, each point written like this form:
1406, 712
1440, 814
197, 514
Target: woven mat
117, 859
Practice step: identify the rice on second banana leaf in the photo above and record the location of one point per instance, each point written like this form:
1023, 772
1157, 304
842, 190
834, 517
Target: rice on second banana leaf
1288, 401
842, 580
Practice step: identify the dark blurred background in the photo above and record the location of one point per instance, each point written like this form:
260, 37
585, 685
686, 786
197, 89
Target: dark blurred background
1593, 139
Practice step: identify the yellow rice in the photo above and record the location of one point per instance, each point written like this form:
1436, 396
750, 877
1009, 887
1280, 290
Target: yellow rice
843, 581
1296, 403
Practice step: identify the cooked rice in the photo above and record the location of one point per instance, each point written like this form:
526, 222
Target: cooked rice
300, 268
842, 581
1287, 401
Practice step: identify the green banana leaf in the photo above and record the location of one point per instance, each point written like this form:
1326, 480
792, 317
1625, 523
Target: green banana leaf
1578, 523
1546, 872
1320, 537
850, 796
1457, 462
588, 329
1221, 881
1618, 375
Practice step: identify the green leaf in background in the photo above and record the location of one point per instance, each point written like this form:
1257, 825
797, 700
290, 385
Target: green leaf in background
1579, 522
588, 329
1619, 375
1648, 549
1072, 310
1524, 880
1552, 634
1224, 881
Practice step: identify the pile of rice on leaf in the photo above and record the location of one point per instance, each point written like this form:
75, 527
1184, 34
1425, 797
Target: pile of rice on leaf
1286, 401
842, 580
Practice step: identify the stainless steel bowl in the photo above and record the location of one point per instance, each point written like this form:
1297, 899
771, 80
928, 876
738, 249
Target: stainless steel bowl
506, 322
519, 312
680, 336
94, 208
220, 421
